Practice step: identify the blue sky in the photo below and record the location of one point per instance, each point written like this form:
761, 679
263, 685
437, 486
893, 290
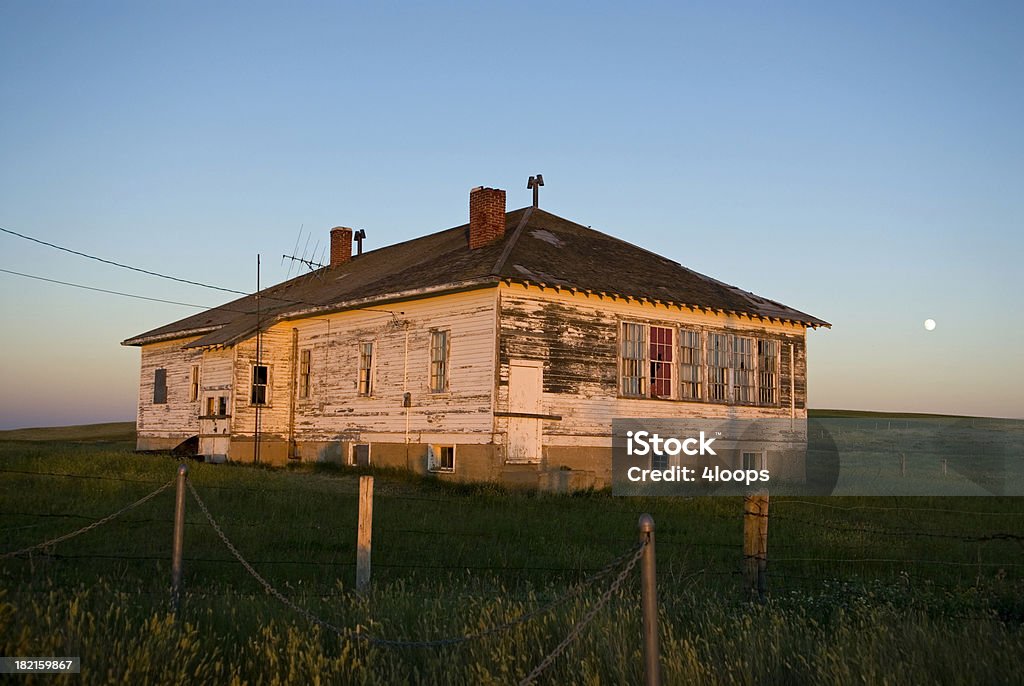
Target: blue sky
863, 163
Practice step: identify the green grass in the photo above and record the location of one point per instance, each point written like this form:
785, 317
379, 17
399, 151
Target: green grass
905, 590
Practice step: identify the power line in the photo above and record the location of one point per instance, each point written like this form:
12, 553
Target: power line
104, 290
119, 264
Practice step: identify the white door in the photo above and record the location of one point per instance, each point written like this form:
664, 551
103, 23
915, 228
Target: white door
525, 385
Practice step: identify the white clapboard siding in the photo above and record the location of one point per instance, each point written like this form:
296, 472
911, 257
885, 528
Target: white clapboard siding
179, 416
334, 409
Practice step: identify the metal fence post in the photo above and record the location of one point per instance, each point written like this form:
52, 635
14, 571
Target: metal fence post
649, 600
179, 537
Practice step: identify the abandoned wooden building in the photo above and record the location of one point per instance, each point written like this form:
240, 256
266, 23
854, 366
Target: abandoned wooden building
497, 350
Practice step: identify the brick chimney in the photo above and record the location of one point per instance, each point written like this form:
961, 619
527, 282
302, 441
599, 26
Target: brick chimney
486, 216
341, 245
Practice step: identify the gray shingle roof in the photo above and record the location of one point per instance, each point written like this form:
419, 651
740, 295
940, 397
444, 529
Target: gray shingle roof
538, 248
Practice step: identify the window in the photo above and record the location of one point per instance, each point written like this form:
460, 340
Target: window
438, 361
217, 406
361, 455
193, 394
718, 367
742, 369
689, 364
365, 368
304, 357
441, 458
751, 460
661, 349
767, 372
633, 344
260, 383
160, 386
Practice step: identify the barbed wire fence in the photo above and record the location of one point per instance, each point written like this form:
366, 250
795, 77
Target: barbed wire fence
791, 567
623, 563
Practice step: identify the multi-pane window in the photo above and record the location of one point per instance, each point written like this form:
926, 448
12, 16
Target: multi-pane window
767, 372
193, 394
661, 349
366, 368
260, 382
633, 350
718, 367
160, 386
742, 369
689, 364
438, 361
304, 369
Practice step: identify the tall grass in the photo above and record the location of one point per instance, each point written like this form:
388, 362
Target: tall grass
449, 560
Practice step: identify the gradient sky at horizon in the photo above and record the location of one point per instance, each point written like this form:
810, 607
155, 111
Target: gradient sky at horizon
863, 163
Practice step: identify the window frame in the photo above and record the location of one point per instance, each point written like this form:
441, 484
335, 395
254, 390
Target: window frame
697, 367
739, 373
642, 372
663, 365
776, 373
371, 369
160, 386
435, 464
305, 372
713, 383
194, 386
443, 366
253, 386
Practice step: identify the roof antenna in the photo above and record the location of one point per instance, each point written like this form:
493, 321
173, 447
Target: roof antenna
535, 183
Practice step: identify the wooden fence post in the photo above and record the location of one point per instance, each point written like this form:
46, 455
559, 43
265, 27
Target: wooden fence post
178, 546
755, 546
364, 533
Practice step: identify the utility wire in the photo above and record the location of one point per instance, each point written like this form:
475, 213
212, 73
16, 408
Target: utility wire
258, 295
118, 264
104, 290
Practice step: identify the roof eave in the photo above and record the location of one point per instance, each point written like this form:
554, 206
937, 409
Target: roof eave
169, 336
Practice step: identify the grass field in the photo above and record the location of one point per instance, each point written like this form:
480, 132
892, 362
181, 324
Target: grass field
867, 590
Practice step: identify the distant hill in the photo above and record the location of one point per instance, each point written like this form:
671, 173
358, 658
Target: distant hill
85, 433
868, 414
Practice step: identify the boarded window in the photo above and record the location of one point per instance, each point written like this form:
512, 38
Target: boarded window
260, 382
441, 458
193, 394
304, 367
365, 368
742, 369
633, 351
718, 367
661, 349
438, 361
767, 372
689, 364
160, 386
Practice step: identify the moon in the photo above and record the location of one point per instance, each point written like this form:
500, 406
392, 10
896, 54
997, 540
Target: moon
929, 324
